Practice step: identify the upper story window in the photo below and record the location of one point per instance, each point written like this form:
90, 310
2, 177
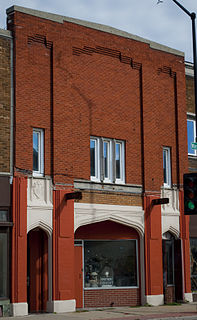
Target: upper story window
107, 160
38, 152
167, 167
191, 134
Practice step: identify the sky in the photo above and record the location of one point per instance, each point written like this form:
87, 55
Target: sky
164, 23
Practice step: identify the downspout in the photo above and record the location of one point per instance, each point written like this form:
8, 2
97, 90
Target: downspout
11, 112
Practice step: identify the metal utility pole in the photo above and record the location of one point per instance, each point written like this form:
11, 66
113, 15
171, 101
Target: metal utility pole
193, 18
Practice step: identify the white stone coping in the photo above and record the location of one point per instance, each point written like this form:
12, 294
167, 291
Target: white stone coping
5, 33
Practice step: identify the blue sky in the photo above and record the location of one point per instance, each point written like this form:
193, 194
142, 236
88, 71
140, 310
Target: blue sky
164, 23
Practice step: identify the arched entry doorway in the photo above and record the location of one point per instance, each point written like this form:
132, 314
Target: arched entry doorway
37, 270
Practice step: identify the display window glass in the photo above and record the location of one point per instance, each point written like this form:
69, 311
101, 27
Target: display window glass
4, 215
110, 263
3, 263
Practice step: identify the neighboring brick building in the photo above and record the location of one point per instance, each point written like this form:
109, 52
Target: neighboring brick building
192, 157
99, 113
6, 130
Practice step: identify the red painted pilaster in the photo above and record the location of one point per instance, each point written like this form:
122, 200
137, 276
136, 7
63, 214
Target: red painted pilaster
19, 241
153, 248
63, 247
184, 234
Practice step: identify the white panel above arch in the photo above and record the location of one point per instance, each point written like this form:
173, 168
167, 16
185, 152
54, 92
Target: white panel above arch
39, 205
86, 213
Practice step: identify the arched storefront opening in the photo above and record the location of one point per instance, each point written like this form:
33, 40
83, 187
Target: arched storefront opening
37, 270
172, 268
107, 264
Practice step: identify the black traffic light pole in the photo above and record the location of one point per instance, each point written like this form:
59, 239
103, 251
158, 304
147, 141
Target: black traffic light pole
193, 18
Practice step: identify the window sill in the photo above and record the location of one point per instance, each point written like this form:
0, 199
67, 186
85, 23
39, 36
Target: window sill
38, 175
192, 156
6, 224
170, 285
112, 187
167, 187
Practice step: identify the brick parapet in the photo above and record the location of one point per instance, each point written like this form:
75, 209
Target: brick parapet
82, 82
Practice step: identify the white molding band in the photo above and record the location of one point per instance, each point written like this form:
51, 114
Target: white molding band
155, 300
60, 306
19, 309
88, 213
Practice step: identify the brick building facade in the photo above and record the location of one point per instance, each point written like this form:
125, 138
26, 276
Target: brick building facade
6, 130
100, 124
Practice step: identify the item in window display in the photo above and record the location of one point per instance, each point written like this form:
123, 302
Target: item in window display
106, 277
93, 279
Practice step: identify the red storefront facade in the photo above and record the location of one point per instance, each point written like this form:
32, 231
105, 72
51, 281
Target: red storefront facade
100, 131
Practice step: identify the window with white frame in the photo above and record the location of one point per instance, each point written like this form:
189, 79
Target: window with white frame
167, 167
107, 160
38, 152
191, 134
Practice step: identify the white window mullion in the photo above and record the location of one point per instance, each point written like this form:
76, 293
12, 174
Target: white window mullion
104, 159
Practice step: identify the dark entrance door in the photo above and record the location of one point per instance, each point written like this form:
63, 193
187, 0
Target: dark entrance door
79, 275
172, 269
37, 270
178, 270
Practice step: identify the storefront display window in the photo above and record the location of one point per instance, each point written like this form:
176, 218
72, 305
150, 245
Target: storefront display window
3, 263
3, 215
193, 248
110, 263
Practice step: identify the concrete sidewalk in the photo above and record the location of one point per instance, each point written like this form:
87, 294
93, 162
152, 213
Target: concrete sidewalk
186, 311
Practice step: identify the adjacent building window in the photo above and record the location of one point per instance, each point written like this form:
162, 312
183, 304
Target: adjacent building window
191, 134
38, 152
5, 230
167, 167
193, 260
4, 262
107, 161
110, 263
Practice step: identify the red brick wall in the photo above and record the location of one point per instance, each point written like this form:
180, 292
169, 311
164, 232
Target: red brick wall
96, 91
110, 297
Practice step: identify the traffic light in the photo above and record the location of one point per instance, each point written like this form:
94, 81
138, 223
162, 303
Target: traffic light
190, 193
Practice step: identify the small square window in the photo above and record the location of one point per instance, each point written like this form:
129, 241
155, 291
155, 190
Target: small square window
38, 152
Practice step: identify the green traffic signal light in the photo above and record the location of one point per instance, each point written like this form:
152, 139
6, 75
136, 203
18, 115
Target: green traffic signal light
191, 205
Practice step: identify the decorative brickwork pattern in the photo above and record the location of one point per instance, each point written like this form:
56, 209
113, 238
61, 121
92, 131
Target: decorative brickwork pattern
108, 52
190, 94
